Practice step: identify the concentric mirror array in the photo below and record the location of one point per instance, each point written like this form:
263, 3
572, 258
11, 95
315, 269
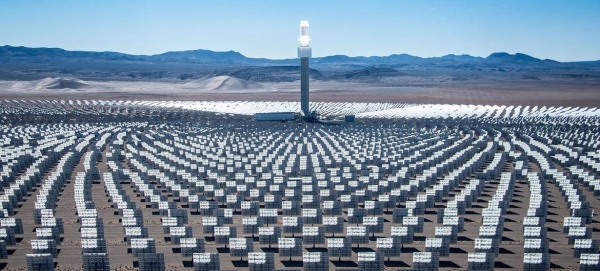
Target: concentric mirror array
105, 185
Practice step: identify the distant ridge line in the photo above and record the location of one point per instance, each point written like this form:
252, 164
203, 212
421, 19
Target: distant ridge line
203, 54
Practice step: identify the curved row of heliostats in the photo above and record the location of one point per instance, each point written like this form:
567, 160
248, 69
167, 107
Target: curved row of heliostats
50, 227
364, 110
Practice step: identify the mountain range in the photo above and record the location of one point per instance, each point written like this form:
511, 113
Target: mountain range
23, 63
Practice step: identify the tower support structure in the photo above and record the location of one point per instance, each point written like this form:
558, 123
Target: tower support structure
304, 53
304, 78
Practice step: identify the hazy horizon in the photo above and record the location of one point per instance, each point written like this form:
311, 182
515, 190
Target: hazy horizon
562, 31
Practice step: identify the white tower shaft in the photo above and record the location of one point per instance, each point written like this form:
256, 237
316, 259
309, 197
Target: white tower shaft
304, 53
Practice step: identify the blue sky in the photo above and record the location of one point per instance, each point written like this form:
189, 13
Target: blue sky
560, 30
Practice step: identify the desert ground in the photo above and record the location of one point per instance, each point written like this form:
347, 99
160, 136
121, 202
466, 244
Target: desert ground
550, 92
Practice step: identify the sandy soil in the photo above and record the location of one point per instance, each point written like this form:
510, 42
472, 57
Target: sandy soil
557, 93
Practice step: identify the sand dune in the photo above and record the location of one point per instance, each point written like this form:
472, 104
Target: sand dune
223, 83
59, 83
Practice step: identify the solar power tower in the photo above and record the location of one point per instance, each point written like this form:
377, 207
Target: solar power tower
304, 53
